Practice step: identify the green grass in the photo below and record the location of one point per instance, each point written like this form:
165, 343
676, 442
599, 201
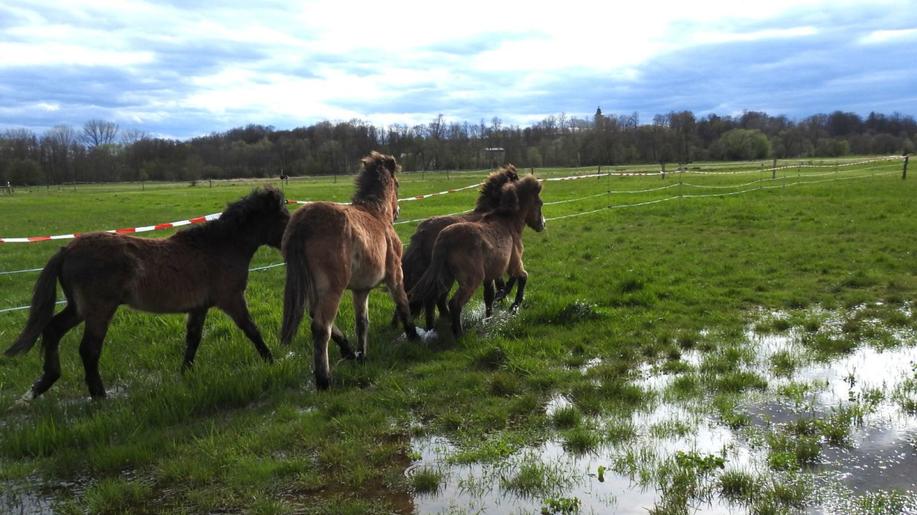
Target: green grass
627, 286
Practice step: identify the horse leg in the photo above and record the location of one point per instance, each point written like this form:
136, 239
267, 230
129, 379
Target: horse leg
505, 289
429, 310
238, 311
360, 308
338, 336
91, 347
520, 291
396, 290
194, 329
324, 312
443, 305
499, 284
488, 298
50, 342
461, 297
414, 307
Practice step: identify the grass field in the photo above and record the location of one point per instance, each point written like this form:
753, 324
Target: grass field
640, 374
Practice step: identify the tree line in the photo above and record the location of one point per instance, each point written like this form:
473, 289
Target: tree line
101, 151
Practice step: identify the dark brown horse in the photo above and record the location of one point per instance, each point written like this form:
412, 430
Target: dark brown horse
189, 272
420, 252
480, 252
331, 247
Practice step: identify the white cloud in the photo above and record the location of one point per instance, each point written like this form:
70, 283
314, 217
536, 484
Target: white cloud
50, 54
885, 36
342, 59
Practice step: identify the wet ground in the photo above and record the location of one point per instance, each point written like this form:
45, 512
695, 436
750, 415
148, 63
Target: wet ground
879, 454
878, 376
17, 500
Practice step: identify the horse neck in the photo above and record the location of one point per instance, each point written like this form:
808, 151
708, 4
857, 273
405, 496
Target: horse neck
381, 209
241, 241
513, 224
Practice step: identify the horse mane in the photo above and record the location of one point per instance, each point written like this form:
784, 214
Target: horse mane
491, 189
371, 185
237, 214
513, 195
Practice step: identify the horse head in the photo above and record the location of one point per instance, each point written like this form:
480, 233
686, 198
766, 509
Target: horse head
491, 190
262, 213
377, 185
523, 200
274, 216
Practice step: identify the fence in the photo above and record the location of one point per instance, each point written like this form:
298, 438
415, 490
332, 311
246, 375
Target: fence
776, 182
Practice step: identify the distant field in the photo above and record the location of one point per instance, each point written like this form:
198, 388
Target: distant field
647, 326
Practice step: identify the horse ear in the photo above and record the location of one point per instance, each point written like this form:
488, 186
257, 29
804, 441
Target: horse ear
509, 199
390, 164
511, 172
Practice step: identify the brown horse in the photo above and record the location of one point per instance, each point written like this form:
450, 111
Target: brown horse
420, 252
189, 272
331, 247
482, 251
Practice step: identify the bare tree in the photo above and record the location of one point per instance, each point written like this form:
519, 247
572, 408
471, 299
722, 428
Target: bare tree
59, 147
131, 136
98, 132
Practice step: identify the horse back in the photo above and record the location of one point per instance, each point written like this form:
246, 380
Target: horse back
158, 275
344, 245
477, 245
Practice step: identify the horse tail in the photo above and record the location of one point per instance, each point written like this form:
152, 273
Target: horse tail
44, 296
299, 284
413, 265
435, 280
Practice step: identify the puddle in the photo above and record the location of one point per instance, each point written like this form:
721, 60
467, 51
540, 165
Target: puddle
589, 365
661, 433
880, 452
483, 488
879, 456
16, 500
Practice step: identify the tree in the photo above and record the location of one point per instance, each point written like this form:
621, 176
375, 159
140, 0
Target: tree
743, 144
59, 147
97, 133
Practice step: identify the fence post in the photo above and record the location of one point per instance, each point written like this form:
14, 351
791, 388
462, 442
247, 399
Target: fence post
904, 171
663, 170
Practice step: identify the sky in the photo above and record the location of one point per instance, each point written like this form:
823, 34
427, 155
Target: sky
182, 69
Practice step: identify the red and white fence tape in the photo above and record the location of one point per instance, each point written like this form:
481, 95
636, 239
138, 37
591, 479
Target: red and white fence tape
125, 230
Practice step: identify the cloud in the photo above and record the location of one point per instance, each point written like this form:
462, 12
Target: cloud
885, 36
182, 69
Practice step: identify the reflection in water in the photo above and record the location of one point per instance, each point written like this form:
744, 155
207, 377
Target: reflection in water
882, 447
881, 454
20, 501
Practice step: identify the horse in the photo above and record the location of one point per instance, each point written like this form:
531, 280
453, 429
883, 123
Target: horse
482, 251
420, 252
330, 247
189, 272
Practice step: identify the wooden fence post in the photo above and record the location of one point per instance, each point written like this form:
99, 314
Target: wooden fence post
904, 171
